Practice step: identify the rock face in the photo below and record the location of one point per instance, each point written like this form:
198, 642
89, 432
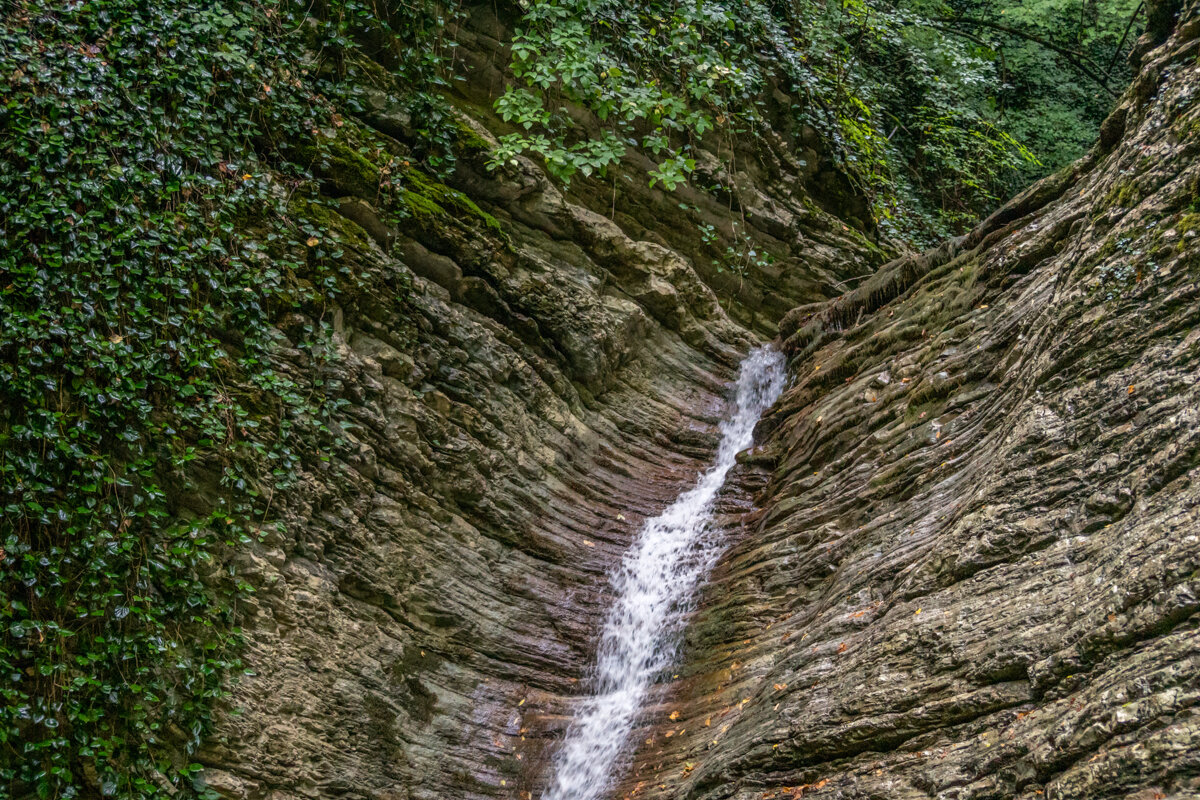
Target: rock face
966, 550
974, 569
524, 376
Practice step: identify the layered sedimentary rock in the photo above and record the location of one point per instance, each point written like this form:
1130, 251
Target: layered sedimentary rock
964, 554
971, 567
523, 376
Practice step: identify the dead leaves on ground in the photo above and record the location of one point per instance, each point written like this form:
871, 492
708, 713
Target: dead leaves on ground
794, 792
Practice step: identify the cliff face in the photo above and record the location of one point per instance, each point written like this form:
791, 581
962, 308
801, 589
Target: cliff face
966, 548
525, 376
973, 572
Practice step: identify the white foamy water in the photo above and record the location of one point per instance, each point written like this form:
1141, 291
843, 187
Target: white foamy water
654, 587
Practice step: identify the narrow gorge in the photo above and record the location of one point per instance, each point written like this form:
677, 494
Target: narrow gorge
588, 513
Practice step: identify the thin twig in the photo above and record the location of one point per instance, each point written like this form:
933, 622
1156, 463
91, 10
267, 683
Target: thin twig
1128, 27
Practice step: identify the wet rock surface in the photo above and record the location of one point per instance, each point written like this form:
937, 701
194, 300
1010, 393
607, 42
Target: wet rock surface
965, 550
523, 376
968, 559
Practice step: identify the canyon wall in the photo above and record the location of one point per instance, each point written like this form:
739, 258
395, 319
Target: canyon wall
965, 551
974, 568
524, 376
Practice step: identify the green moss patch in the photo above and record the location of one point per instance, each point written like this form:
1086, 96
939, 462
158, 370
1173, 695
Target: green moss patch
425, 197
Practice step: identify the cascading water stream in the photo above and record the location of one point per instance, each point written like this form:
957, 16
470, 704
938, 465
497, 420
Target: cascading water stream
655, 586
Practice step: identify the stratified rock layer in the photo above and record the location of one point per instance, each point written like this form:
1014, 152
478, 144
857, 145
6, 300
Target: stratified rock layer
523, 376
974, 571
965, 553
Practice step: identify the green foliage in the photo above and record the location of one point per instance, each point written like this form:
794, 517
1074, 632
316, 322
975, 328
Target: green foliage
410, 39
737, 257
149, 238
1053, 101
919, 107
655, 75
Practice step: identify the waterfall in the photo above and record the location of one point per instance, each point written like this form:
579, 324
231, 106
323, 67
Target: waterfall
654, 588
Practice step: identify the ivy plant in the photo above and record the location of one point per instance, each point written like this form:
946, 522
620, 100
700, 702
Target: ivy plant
656, 75
151, 235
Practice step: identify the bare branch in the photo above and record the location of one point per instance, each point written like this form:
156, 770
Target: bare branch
1124, 36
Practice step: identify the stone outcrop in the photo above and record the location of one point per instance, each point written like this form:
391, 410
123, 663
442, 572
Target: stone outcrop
972, 567
523, 374
965, 551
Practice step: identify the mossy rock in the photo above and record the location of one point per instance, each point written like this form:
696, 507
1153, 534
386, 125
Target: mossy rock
1188, 223
470, 141
1124, 194
425, 198
346, 231
340, 166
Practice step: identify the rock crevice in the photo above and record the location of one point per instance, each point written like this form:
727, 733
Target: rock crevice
973, 573
964, 550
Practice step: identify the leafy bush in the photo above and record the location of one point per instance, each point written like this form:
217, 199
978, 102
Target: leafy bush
1053, 90
914, 96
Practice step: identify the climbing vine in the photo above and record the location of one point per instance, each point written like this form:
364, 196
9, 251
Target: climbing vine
155, 222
